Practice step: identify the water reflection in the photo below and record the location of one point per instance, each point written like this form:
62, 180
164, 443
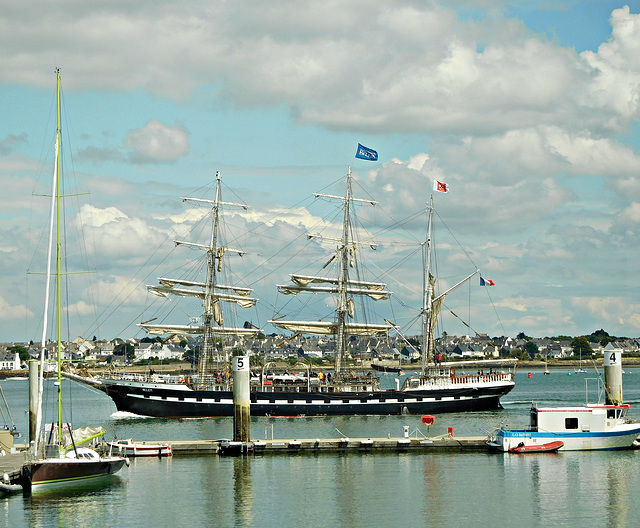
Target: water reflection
76, 504
242, 491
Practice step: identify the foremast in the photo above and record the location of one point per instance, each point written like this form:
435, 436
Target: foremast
211, 291
342, 287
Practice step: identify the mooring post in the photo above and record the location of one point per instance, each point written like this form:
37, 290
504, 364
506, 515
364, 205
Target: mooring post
241, 400
613, 377
33, 399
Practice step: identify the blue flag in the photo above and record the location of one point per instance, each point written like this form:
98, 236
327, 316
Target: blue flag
366, 153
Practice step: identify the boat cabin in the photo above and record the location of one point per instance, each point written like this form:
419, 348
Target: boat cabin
591, 418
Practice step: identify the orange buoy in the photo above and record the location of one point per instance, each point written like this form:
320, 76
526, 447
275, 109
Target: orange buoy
428, 420
530, 375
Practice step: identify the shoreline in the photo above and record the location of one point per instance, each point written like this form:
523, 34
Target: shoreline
185, 368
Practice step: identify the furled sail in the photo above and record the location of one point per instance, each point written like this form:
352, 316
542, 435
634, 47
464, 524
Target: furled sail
331, 328
165, 291
244, 292
160, 329
304, 280
374, 290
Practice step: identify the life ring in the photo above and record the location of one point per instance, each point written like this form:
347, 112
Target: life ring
180, 379
428, 420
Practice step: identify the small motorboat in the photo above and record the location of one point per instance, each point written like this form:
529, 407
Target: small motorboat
576, 428
550, 447
130, 448
7, 486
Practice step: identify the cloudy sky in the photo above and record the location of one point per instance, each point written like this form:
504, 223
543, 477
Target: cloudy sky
527, 109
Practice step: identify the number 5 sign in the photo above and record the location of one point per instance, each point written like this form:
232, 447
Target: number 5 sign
240, 363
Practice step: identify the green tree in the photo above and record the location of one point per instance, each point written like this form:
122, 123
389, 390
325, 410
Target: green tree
22, 351
531, 349
124, 349
581, 346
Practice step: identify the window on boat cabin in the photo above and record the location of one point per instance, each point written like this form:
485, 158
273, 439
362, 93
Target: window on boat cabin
570, 423
615, 413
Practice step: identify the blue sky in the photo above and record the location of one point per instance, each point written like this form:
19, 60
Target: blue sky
529, 110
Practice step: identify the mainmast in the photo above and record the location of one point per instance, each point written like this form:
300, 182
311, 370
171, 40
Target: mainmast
342, 325
343, 279
52, 223
58, 261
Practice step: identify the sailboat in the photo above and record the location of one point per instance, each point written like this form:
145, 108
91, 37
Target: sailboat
438, 388
580, 369
546, 367
57, 456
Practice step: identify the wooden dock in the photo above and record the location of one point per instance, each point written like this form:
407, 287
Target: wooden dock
10, 464
331, 445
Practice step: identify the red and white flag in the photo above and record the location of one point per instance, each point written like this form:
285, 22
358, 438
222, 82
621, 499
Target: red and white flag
440, 186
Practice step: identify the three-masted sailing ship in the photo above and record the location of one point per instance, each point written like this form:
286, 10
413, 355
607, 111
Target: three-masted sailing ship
438, 388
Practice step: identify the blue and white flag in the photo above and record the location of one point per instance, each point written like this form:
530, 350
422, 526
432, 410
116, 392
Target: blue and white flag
366, 153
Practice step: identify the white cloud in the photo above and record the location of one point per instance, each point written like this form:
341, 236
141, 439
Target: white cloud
632, 213
13, 313
116, 238
157, 143
404, 68
609, 312
530, 135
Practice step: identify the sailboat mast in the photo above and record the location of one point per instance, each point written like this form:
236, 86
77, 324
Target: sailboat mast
58, 261
427, 312
210, 301
343, 279
47, 291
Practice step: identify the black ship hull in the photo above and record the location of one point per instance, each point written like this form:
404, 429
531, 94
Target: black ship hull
184, 403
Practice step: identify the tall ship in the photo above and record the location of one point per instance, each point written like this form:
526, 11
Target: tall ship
437, 388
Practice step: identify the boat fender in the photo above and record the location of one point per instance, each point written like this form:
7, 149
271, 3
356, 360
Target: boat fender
428, 420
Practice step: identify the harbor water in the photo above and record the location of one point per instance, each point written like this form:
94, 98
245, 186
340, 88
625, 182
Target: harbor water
432, 489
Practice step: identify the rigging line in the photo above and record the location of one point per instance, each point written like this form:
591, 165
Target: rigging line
454, 237
393, 228
294, 241
8, 410
166, 256
463, 322
495, 310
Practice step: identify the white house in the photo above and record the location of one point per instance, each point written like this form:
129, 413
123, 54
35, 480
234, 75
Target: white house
146, 351
9, 361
